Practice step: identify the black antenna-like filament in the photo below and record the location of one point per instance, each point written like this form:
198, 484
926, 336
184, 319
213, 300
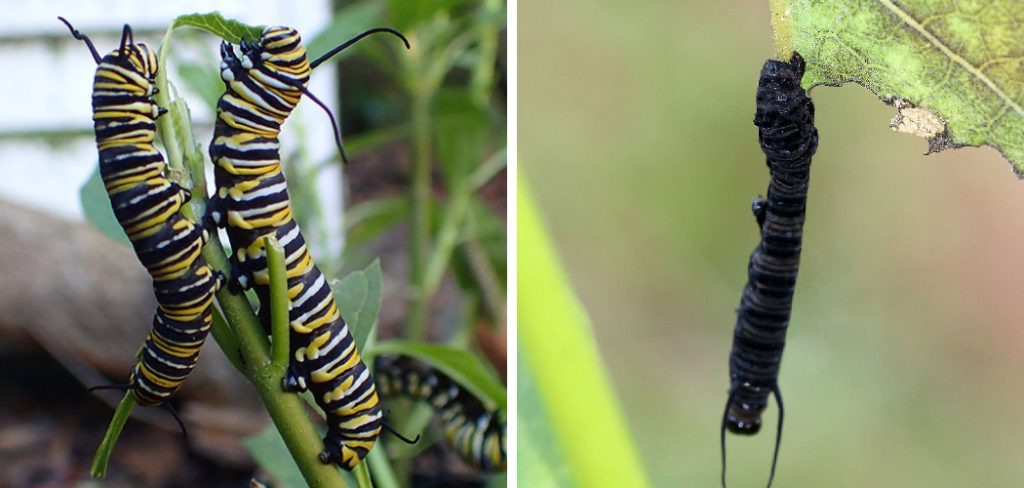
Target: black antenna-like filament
82, 37
166, 405
325, 57
126, 35
400, 436
334, 124
778, 432
316, 62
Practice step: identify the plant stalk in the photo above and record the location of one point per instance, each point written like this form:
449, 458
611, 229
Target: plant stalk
782, 29
420, 201
102, 456
278, 304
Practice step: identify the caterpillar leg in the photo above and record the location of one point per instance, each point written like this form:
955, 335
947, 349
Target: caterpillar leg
294, 380
241, 276
186, 194
220, 279
760, 208
216, 215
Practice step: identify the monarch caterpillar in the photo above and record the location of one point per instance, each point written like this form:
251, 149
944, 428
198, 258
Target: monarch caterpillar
147, 204
262, 87
475, 432
788, 138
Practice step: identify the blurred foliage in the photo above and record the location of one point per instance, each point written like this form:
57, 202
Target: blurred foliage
359, 298
96, 207
565, 374
900, 368
268, 450
542, 463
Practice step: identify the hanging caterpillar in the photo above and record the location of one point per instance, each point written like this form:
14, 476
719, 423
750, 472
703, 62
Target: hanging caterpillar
147, 205
262, 87
788, 138
475, 432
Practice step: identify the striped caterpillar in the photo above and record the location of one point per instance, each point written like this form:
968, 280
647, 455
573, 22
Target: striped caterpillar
147, 205
262, 86
788, 138
476, 433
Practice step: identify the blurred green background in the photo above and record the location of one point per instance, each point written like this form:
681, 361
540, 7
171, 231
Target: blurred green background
902, 366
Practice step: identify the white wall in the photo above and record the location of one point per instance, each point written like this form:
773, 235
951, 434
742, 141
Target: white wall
47, 91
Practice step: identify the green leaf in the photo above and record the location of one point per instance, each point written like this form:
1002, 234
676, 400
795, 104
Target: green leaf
500, 480
230, 30
953, 68
408, 13
556, 338
460, 365
541, 460
269, 451
359, 297
346, 24
368, 219
97, 209
201, 79
484, 224
461, 129
486, 228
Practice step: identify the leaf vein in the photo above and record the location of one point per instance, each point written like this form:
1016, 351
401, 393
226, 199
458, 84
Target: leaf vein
935, 41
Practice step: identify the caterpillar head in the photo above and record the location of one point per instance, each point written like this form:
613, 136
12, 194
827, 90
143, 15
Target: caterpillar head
785, 115
277, 60
138, 57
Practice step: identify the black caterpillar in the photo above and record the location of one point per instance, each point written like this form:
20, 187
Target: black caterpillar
785, 121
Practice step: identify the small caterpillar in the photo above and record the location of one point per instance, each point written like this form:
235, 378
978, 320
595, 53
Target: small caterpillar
475, 432
788, 138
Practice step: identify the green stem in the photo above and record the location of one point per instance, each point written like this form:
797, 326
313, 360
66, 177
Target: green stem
287, 411
782, 29
420, 202
102, 456
488, 169
416, 421
486, 279
381, 467
447, 239
278, 304
252, 341
483, 72
225, 338
362, 475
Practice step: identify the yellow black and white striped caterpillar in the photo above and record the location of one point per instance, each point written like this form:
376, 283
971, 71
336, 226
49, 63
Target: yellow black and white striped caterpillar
475, 432
147, 205
262, 86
